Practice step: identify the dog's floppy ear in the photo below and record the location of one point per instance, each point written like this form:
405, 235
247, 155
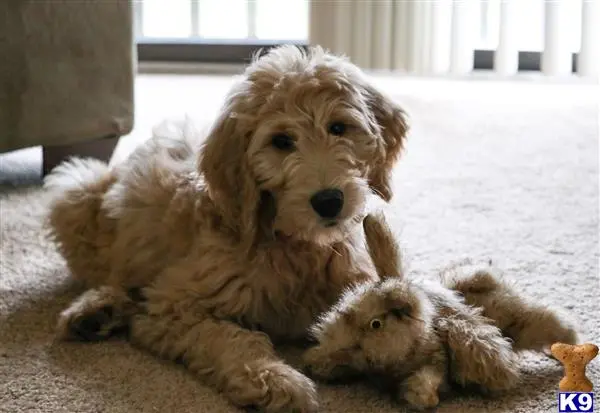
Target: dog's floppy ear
382, 246
393, 124
224, 164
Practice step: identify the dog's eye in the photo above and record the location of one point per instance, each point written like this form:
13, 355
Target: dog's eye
376, 324
283, 142
337, 128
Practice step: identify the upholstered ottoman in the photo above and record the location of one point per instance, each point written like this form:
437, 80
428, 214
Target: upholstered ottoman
66, 76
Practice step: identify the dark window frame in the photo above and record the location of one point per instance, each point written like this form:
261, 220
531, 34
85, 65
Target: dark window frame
204, 50
241, 52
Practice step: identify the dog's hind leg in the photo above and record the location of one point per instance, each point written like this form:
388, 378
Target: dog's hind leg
97, 314
76, 222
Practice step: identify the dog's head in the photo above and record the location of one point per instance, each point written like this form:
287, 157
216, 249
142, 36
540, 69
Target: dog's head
301, 141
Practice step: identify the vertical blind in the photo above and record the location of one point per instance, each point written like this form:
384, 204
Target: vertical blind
439, 36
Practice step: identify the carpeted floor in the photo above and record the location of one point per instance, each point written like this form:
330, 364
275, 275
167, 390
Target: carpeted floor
506, 170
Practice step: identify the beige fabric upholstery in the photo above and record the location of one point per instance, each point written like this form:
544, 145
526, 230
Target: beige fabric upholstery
66, 71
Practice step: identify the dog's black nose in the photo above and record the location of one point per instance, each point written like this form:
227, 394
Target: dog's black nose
328, 203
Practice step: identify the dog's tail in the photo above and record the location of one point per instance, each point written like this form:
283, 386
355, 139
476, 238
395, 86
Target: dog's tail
75, 220
75, 173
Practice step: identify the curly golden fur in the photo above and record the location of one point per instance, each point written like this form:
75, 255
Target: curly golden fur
420, 337
208, 254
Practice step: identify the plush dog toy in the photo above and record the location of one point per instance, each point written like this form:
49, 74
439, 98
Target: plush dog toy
419, 337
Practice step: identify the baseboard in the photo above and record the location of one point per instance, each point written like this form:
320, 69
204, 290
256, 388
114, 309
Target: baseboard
189, 68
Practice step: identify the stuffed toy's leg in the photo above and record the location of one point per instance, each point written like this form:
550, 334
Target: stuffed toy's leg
421, 389
528, 323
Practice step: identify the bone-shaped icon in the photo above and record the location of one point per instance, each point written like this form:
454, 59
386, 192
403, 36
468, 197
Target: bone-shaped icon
575, 358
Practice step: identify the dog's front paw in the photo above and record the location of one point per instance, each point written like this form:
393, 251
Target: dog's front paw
281, 388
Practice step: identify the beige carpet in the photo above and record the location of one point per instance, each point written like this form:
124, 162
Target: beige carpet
506, 170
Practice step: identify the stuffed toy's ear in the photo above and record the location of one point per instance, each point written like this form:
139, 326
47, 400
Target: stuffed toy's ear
382, 246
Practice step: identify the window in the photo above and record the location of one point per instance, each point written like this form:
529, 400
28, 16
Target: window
242, 20
232, 30
529, 24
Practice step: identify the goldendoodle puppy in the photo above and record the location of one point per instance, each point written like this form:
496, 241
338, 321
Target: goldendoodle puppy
419, 337
207, 256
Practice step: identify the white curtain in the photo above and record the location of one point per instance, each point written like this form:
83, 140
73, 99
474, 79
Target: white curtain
439, 36
408, 35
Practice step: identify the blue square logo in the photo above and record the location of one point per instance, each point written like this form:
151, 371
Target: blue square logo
575, 402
